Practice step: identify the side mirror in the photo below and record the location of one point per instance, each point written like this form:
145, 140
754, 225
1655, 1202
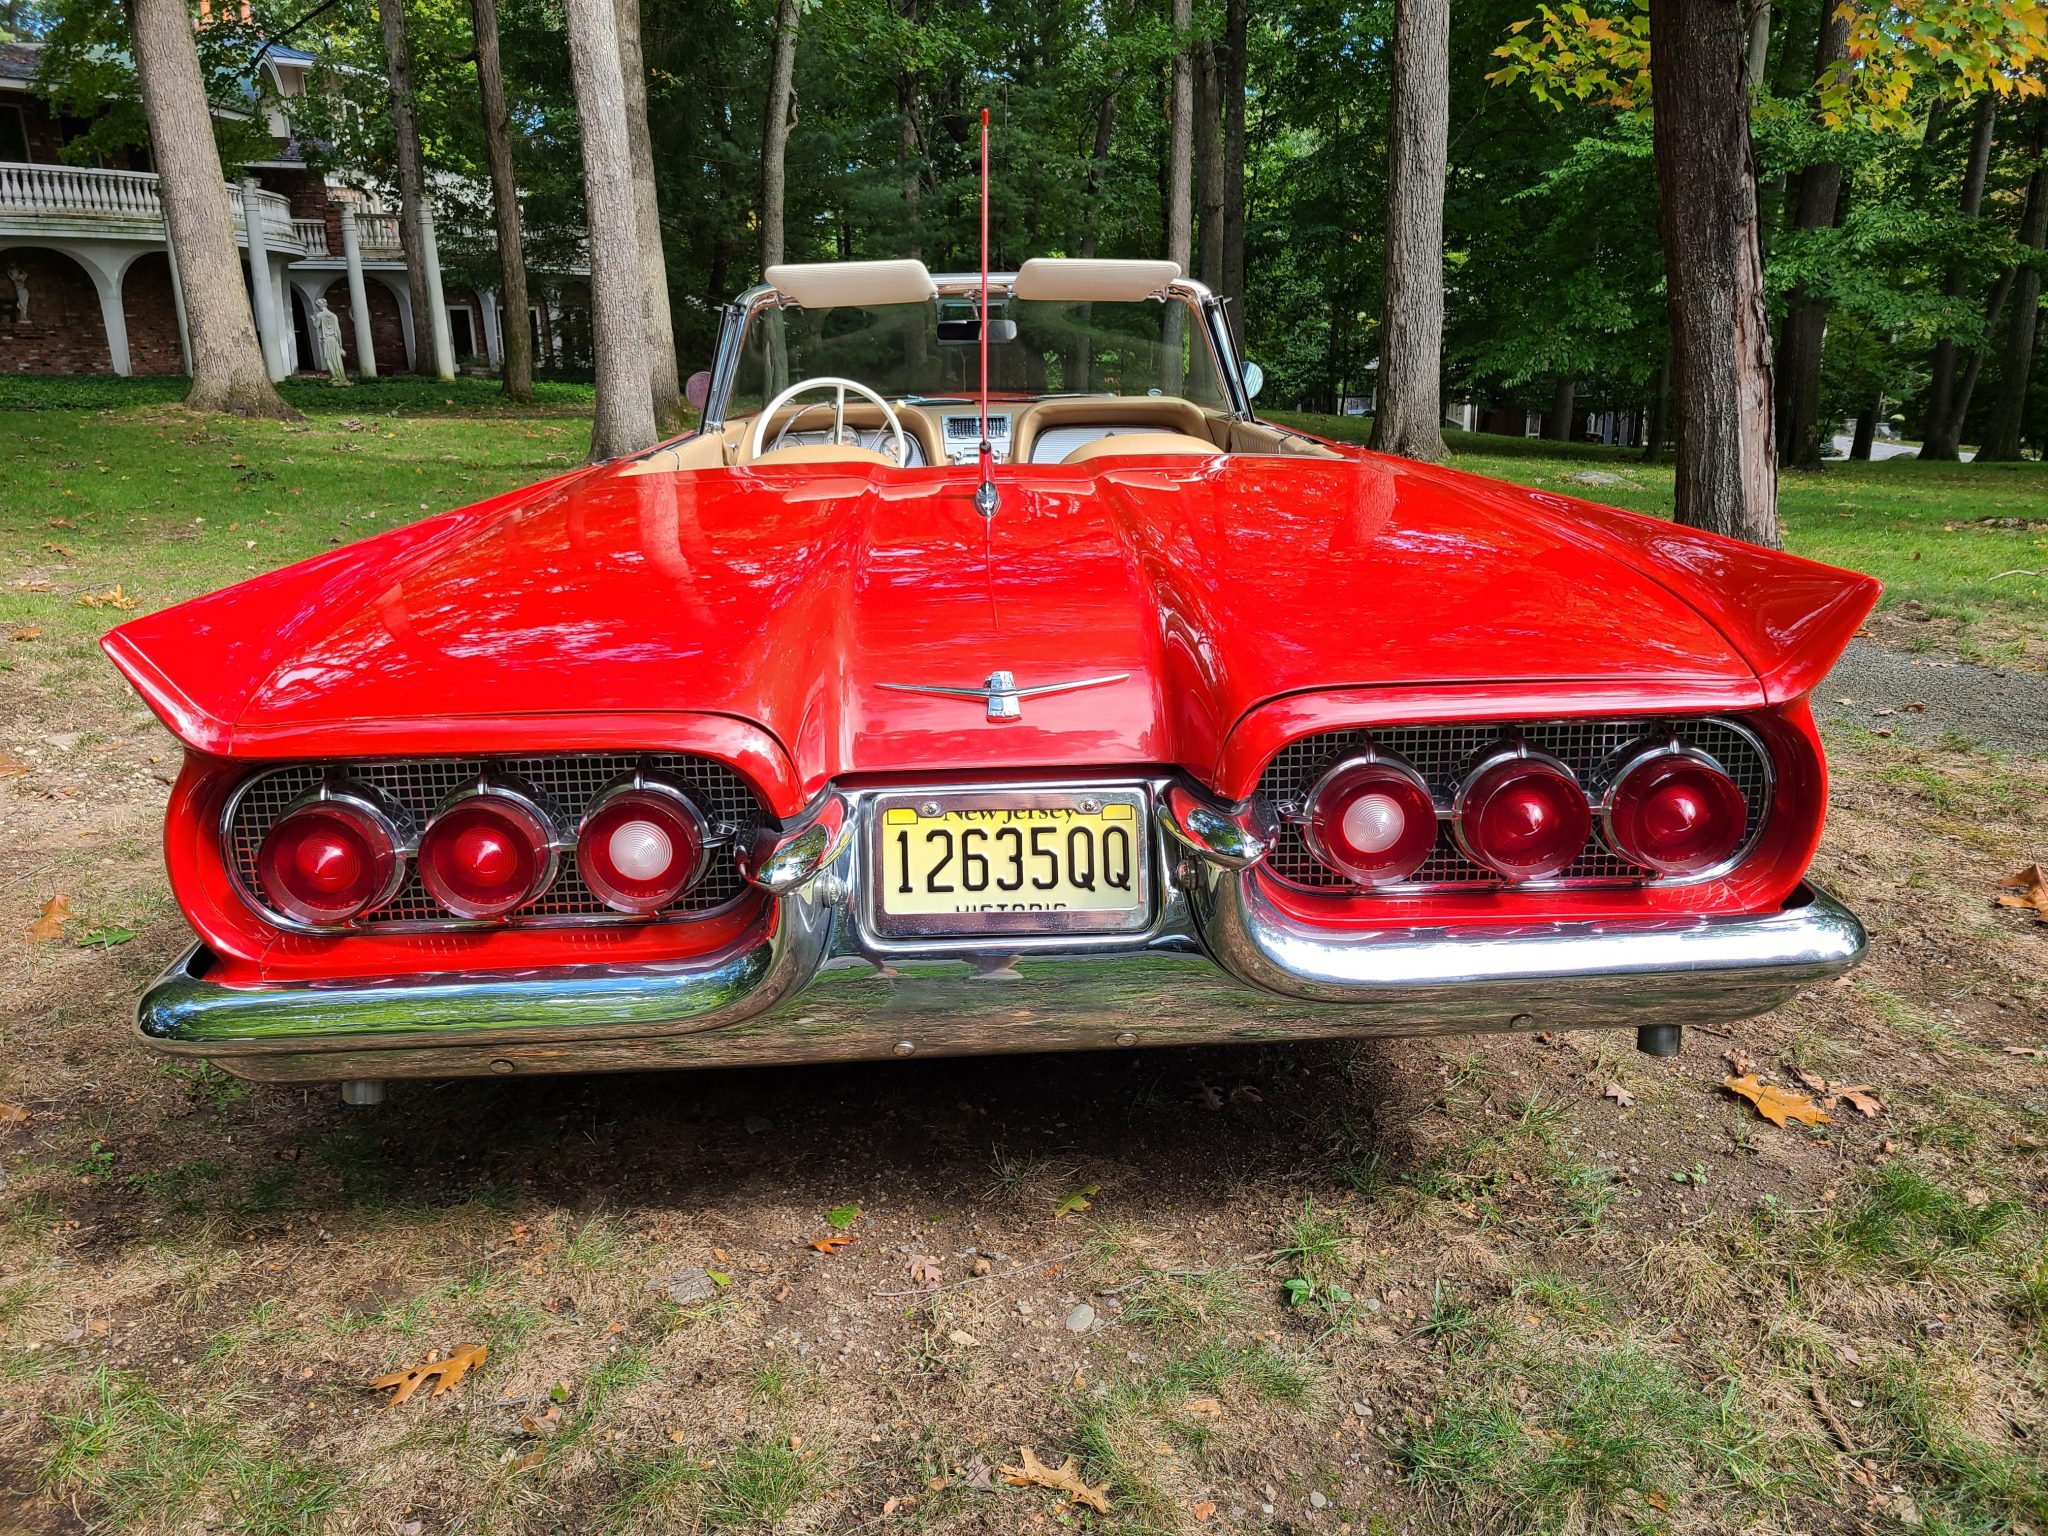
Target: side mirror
1254, 379
698, 389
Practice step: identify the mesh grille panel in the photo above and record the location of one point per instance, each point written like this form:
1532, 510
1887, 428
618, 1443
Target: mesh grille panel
570, 783
1443, 755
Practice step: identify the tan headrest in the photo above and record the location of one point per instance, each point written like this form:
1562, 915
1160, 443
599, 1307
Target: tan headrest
1128, 445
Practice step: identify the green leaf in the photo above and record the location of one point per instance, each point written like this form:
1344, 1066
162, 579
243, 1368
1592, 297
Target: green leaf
840, 1217
106, 938
1078, 1201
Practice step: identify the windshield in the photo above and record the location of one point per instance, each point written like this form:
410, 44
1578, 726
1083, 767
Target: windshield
931, 351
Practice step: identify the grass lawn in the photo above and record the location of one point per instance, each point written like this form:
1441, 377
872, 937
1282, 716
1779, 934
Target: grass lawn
1968, 542
1428, 1286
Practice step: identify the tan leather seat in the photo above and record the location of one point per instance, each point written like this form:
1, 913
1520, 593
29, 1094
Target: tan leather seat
824, 453
1126, 445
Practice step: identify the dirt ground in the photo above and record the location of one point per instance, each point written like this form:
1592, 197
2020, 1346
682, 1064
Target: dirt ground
1414, 1286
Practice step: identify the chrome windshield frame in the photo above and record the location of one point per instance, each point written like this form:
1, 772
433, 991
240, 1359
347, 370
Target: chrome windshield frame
735, 317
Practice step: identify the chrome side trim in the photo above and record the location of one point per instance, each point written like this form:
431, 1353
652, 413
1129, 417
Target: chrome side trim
1233, 836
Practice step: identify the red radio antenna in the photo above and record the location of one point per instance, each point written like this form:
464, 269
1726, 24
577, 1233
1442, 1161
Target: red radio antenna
985, 493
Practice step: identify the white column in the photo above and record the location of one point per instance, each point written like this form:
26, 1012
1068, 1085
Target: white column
437, 301
107, 283
178, 303
264, 298
494, 344
358, 295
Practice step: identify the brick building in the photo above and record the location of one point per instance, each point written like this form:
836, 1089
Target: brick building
86, 277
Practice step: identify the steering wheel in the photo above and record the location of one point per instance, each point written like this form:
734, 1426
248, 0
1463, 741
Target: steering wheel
827, 381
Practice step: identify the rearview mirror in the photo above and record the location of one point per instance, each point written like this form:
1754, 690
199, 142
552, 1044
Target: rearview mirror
964, 333
698, 389
1254, 380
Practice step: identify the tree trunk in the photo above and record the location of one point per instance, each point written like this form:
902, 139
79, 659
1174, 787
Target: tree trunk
775, 130
517, 340
1180, 147
2009, 411
1209, 166
624, 419
1866, 432
1941, 433
1659, 423
1236, 16
1707, 224
412, 179
1098, 166
1757, 49
228, 373
1560, 421
664, 382
1806, 322
1409, 420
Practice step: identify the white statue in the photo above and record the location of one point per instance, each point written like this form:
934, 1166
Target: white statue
327, 328
19, 277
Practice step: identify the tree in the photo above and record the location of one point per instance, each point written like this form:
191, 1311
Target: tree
2008, 414
1720, 334
624, 417
663, 381
1409, 419
1815, 205
1209, 164
775, 130
1941, 438
227, 364
412, 180
1236, 44
497, 124
1180, 148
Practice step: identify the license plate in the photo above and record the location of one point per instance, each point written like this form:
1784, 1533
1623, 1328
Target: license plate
1012, 861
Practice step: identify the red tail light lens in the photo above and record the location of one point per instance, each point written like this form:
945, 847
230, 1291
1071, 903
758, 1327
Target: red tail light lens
1677, 813
641, 846
485, 854
1523, 816
329, 861
1372, 819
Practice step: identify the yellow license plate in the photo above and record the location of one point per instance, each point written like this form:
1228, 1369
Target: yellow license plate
1016, 861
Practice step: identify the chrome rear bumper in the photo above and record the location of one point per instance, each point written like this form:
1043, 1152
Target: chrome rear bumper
1224, 963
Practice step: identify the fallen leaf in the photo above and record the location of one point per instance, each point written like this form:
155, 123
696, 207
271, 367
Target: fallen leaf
11, 767
106, 938
12, 1114
1658, 1501
2031, 1052
977, 1474
891, 1505
832, 1243
1211, 1099
1619, 1094
530, 1460
1206, 1407
1740, 1062
50, 921
113, 597
840, 1217
28, 632
1080, 1200
2028, 888
1205, 1509
446, 1371
964, 1340
1775, 1104
1062, 1479
926, 1271
1861, 1099
1245, 1093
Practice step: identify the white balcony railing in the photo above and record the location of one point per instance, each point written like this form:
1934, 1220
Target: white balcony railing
377, 234
311, 235
83, 201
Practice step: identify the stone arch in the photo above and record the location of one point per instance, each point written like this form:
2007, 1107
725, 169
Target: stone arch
151, 307
393, 286
65, 330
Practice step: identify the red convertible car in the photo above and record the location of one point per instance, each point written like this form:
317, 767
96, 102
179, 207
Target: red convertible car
858, 724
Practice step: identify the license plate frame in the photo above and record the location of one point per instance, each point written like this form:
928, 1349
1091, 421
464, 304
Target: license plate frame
1038, 805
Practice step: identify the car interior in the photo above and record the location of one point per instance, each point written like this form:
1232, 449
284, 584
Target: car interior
840, 419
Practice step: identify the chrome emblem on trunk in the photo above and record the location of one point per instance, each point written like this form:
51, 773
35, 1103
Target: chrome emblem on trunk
1004, 698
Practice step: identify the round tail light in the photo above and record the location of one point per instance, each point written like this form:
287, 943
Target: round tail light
1523, 816
642, 844
1677, 812
328, 860
486, 853
1372, 819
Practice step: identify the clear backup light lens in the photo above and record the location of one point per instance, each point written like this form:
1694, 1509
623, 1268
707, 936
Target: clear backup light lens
327, 862
1523, 816
485, 855
1676, 812
1372, 819
641, 846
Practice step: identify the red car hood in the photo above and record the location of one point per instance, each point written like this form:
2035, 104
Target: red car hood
789, 599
